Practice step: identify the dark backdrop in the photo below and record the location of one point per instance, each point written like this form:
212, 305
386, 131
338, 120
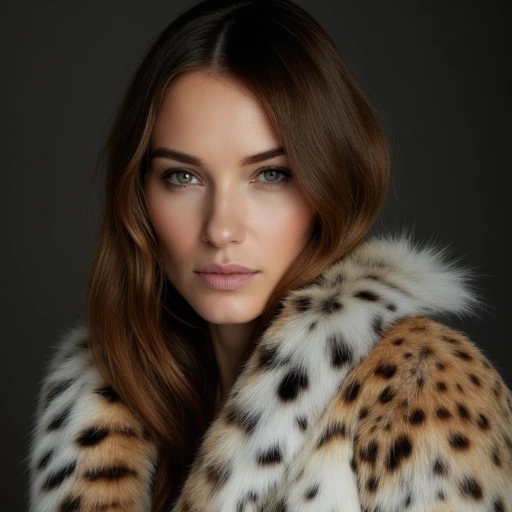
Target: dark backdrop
437, 73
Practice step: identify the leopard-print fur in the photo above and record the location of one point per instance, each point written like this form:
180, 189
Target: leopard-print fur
357, 398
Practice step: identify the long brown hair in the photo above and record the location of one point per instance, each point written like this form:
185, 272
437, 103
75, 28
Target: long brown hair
146, 340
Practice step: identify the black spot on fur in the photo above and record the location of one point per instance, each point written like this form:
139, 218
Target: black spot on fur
440, 365
60, 419
440, 495
217, 474
474, 379
71, 504
352, 390
245, 421
483, 422
353, 463
498, 506
440, 468
277, 311
495, 457
425, 352
441, 386
400, 449
363, 413
110, 473
303, 303
417, 417
450, 339
463, 355
458, 441
408, 500
92, 436
407, 355
55, 478
252, 496
387, 395
420, 381
471, 488
292, 384
45, 459
57, 389
385, 370
463, 411
391, 307
378, 325
330, 305
331, 431
302, 422
268, 357
398, 341
339, 350
271, 456
372, 484
108, 393
367, 295
337, 279
311, 492
368, 453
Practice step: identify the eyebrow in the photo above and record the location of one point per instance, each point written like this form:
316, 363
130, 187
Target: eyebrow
192, 160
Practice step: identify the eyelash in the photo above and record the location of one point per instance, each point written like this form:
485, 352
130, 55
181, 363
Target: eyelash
282, 170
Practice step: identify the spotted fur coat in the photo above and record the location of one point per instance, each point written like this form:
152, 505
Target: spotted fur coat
357, 398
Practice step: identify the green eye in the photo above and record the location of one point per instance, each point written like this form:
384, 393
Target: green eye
269, 171
276, 170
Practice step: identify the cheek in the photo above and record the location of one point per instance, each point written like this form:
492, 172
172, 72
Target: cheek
288, 229
173, 224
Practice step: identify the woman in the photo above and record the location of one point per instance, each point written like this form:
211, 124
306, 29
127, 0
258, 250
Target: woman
314, 376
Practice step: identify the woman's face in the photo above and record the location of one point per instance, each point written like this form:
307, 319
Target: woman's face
253, 218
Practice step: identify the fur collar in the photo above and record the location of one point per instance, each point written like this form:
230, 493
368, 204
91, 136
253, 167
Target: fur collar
322, 331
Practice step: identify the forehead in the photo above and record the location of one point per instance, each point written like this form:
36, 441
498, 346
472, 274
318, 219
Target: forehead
200, 109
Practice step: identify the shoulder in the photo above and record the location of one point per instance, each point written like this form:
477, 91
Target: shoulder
86, 445
432, 420
421, 357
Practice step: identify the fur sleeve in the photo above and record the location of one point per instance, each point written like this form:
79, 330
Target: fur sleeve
88, 451
434, 424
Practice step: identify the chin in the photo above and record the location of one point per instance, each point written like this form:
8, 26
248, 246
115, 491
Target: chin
222, 313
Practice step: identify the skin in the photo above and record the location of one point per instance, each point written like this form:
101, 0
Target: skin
244, 219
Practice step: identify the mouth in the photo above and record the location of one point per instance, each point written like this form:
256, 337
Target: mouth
228, 268
225, 281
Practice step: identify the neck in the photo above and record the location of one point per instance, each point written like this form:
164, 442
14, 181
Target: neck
229, 342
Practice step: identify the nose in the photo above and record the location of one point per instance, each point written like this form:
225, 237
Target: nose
225, 216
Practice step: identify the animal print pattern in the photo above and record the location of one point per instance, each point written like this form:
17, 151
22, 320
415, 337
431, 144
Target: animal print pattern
349, 402
423, 425
89, 452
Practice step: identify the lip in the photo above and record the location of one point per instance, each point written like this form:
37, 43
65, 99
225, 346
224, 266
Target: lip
225, 281
230, 268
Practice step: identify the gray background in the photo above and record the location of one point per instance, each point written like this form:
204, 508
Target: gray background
437, 73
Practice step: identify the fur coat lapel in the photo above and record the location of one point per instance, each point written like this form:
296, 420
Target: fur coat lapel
265, 439
322, 332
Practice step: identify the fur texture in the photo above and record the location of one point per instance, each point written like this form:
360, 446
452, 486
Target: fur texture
356, 398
